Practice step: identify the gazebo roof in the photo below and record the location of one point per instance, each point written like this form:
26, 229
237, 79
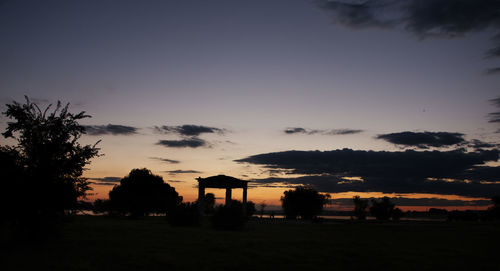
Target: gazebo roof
222, 181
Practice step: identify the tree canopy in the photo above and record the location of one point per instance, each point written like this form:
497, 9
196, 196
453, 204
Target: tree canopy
303, 201
44, 169
141, 193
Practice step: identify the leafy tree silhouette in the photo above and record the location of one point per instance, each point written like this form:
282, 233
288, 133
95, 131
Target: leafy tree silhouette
142, 193
383, 209
360, 206
44, 169
494, 211
303, 201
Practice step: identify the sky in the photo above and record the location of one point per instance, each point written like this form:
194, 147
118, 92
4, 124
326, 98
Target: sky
371, 98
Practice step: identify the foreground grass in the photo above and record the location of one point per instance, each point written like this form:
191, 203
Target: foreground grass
101, 243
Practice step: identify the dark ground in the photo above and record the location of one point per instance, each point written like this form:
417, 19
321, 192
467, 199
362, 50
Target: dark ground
102, 243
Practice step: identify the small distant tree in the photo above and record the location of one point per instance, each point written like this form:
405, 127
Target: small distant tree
360, 206
303, 201
262, 207
382, 210
142, 193
494, 211
397, 214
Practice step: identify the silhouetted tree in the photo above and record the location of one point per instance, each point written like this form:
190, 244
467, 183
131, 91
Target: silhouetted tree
397, 214
250, 209
262, 207
303, 201
494, 211
360, 206
44, 169
382, 210
141, 193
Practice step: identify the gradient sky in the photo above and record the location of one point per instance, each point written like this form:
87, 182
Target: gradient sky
345, 72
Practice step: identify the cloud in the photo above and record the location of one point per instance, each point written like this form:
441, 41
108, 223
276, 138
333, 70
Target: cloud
295, 130
184, 143
300, 130
478, 144
451, 172
495, 116
106, 181
187, 130
170, 161
180, 171
174, 181
343, 132
424, 19
112, 129
423, 139
492, 71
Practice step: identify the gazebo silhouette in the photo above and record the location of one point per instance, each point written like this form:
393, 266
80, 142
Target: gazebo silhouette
222, 181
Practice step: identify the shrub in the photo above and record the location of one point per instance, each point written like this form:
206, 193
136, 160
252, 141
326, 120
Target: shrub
229, 217
304, 202
184, 215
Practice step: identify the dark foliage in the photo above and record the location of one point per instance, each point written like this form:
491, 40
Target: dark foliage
494, 211
184, 215
142, 193
397, 214
360, 206
209, 203
43, 171
467, 215
303, 201
231, 216
383, 209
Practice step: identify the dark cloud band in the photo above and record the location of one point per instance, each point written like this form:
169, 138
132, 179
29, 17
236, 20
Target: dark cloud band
300, 130
451, 172
183, 143
110, 129
423, 139
187, 130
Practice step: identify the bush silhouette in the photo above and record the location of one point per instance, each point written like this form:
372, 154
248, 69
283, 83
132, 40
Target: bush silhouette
229, 217
382, 210
142, 193
304, 202
184, 214
360, 206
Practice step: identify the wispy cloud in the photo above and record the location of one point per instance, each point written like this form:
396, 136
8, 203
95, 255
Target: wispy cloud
110, 129
187, 130
301, 130
424, 19
184, 143
170, 161
182, 171
108, 181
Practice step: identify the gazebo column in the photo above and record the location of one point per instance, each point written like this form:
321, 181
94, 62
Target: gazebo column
244, 195
228, 196
201, 197
245, 199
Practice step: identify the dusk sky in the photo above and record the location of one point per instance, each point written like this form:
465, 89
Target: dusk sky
379, 97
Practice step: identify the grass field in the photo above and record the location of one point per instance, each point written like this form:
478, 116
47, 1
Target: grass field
102, 243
